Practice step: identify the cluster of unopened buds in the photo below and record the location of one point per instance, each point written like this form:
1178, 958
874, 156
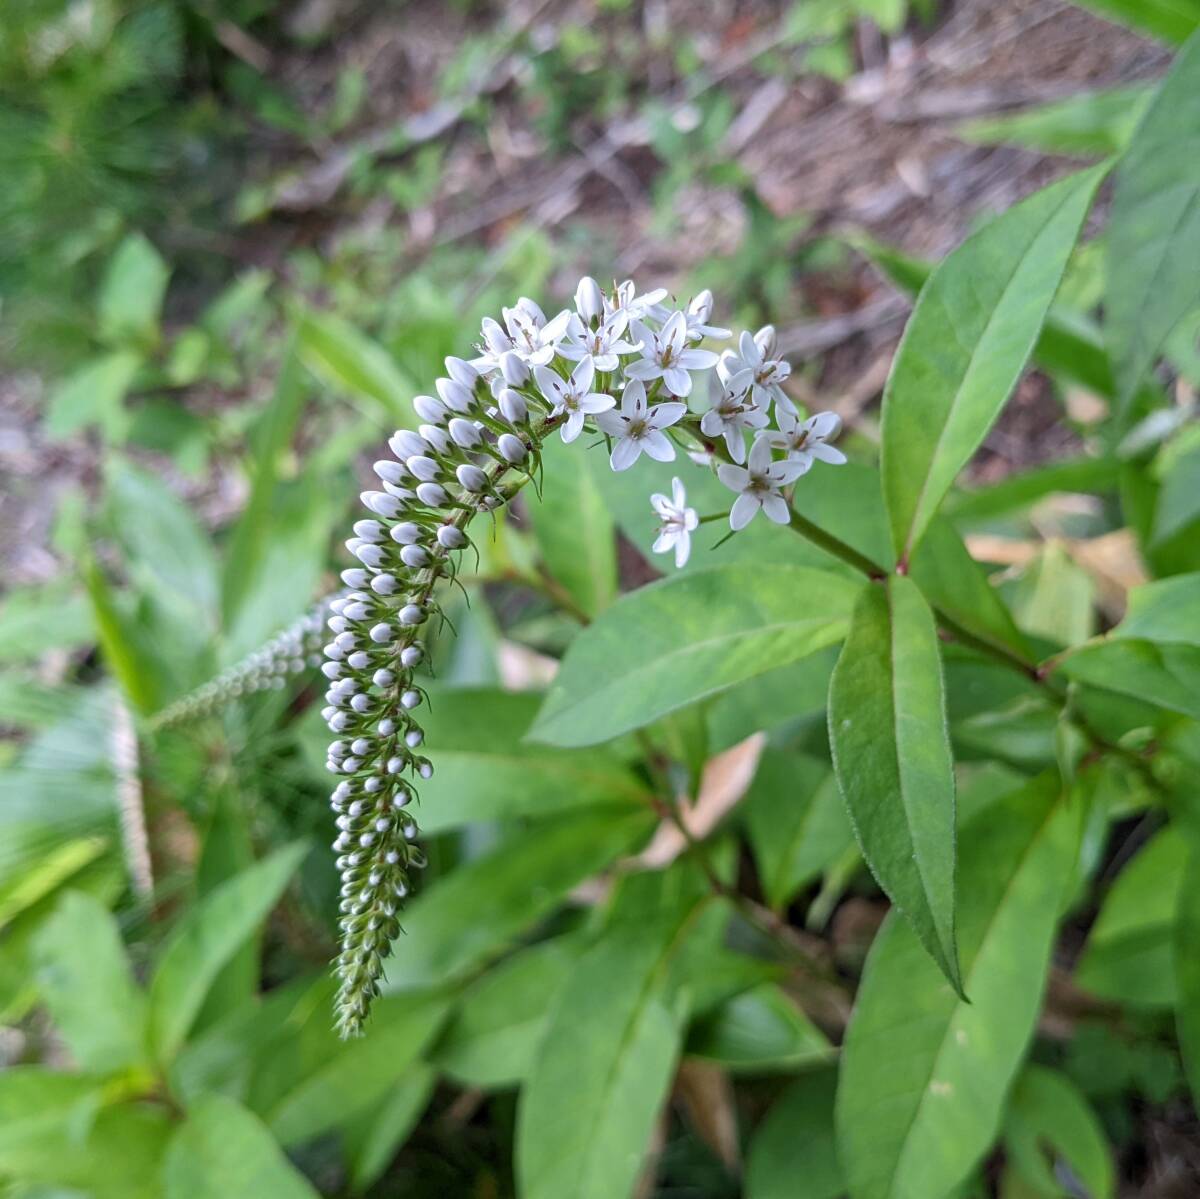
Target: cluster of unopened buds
296, 648
621, 364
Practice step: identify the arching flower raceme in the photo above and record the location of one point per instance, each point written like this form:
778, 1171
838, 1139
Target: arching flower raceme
638, 428
676, 523
479, 442
759, 484
805, 440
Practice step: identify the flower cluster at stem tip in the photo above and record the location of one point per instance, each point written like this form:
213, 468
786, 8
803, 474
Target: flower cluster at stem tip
620, 363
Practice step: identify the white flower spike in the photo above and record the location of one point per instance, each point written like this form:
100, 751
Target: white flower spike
573, 396
806, 440
666, 356
759, 483
677, 522
639, 428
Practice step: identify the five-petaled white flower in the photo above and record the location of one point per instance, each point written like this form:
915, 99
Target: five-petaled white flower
677, 521
733, 412
639, 428
805, 440
525, 331
603, 345
573, 396
759, 483
757, 354
698, 313
666, 356
626, 300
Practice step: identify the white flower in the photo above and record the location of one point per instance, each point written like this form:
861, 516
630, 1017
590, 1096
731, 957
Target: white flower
732, 413
637, 427
573, 396
698, 312
636, 308
589, 299
602, 344
808, 439
525, 332
757, 354
665, 356
759, 482
677, 522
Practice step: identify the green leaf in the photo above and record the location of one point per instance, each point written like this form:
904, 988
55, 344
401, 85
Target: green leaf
85, 981
131, 294
1153, 654
373, 1142
605, 1064
205, 940
1083, 475
483, 906
687, 638
20, 890
222, 1150
164, 541
347, 360
1179, 499
1049, 1120
760, 1031
93, 395
491, 1039
1089, 125
1054, 597
796, 821
916, 1111
792, 1152
1153, 240
483, 769
251, 533
1186, 949
1129, 956
975, 323
124, 653
357, 1074
1170, 20
891, 753
574, 530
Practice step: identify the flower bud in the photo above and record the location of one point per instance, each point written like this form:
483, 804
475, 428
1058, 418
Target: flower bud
404, 443
589, 299
415, 556
511, 448
390, 472
359, 660
406, 533
370, 555
451, 537
432, 495
454, 395
382, 504
464, 433
368, 530
355, 577
384, 584
461, 371
411, 614
410, 699
381, 634
513, 407
427, 408
471, 477
411, 655
438, 439
514, 369
423, 468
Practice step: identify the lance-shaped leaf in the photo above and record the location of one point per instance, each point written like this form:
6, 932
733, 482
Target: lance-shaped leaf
684, 639
601, 1074
1186, 942
924, 1074
1154, 232
973, 328
891, 753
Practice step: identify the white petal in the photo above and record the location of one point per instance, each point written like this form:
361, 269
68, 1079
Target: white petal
573, 426
662, 506
683, 547
661, 416
625, 453
748, 350
582, 376
690, 519
643, 368
633, 400
678, 381
549, 384
736, 444
824, 425
596, 401
658, 446
736, 478
678, 493
712, 423
827, 453
744, 508
674, 332
612, 423
760, 455
698, 360
665, 540
776, 509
